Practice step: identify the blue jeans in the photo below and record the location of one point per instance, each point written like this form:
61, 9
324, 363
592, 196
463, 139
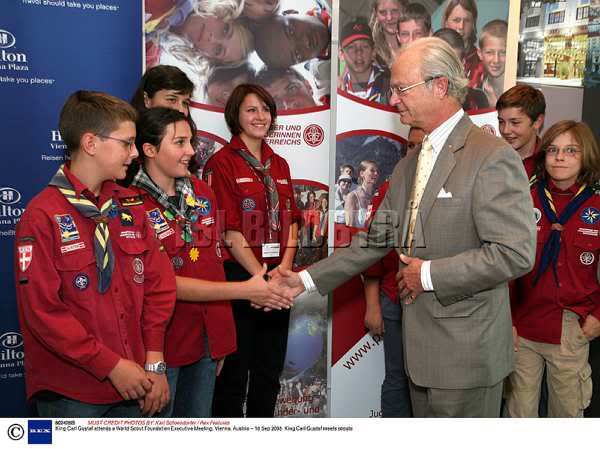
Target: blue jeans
192, 387
395, 396
58, 406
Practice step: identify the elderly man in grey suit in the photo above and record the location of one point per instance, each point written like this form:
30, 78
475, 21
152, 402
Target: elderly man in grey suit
459, 214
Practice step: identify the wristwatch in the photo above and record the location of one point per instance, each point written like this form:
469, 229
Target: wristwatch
159, 367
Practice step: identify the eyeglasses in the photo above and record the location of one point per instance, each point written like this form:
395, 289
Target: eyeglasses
127, 143
570, 151
401, 91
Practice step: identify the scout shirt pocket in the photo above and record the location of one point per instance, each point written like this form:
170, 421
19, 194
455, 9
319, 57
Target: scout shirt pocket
79, 283
586, 249
131, 260
251, 196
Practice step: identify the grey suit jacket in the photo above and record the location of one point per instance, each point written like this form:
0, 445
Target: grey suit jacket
458, 336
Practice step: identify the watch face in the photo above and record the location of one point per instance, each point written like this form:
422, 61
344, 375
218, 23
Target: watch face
158, 367
161, 368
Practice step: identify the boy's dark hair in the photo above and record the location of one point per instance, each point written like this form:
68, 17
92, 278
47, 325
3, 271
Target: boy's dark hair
416, 12
95, 112
529, 99
452, 37
161, 77
226, 73
232, 108
267, 76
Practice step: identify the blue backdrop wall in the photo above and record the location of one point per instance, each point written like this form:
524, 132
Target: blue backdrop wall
48, 49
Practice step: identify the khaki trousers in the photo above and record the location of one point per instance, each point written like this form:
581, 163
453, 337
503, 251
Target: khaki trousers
568, 374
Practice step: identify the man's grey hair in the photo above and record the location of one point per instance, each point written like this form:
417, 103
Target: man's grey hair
439, 59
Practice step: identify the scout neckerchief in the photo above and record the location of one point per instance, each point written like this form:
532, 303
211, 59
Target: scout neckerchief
105, 261
552, 245
185, 214
272, 195
372, 91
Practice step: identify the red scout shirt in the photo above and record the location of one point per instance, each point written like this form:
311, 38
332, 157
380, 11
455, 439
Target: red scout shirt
242, 195
200, 259
529, 162
387, 267
537, 311
74, 336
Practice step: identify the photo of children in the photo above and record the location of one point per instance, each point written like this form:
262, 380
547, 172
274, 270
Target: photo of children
365, 161
222, 43
363, 77
312, 200
397, 23
205, 145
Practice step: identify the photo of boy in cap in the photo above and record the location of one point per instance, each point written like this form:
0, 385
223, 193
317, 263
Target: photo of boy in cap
362, 78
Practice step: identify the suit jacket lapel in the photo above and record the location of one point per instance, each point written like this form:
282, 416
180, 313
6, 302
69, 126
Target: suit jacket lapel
444, 165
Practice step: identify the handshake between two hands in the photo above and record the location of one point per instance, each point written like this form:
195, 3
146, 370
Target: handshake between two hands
275, 290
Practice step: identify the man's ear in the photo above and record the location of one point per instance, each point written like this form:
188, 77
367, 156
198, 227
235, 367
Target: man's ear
440, 86
88, 143
146, 100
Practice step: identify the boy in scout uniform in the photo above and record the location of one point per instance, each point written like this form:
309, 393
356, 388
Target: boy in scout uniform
94, 290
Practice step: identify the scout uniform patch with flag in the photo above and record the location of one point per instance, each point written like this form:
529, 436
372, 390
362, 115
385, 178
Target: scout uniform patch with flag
25, 256
67, 228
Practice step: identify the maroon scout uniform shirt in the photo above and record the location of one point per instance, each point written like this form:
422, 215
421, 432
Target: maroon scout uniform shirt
200, 259
386, 268
242, 195
537, 310
74, 336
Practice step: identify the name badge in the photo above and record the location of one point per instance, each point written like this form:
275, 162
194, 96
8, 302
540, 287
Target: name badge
270, 249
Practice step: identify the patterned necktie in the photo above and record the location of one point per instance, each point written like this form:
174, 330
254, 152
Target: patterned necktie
105, 261
424, 168
272, 195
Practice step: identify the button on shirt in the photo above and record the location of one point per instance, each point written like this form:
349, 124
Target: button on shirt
537, 310
242, 195
74, 336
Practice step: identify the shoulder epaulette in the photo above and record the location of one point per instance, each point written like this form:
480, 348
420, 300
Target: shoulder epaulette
128, 201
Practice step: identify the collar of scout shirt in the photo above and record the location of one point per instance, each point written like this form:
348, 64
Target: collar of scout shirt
237, 143
438, 137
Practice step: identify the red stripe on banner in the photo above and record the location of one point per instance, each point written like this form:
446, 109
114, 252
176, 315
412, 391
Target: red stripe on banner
208, 107
371, 104
348, 305
211, 136
370, 132
348, 318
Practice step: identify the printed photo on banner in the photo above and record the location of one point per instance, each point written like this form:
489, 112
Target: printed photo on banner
553, 41
364, 160
205, 145
371, 34
283, 45
304, 377
312, 199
